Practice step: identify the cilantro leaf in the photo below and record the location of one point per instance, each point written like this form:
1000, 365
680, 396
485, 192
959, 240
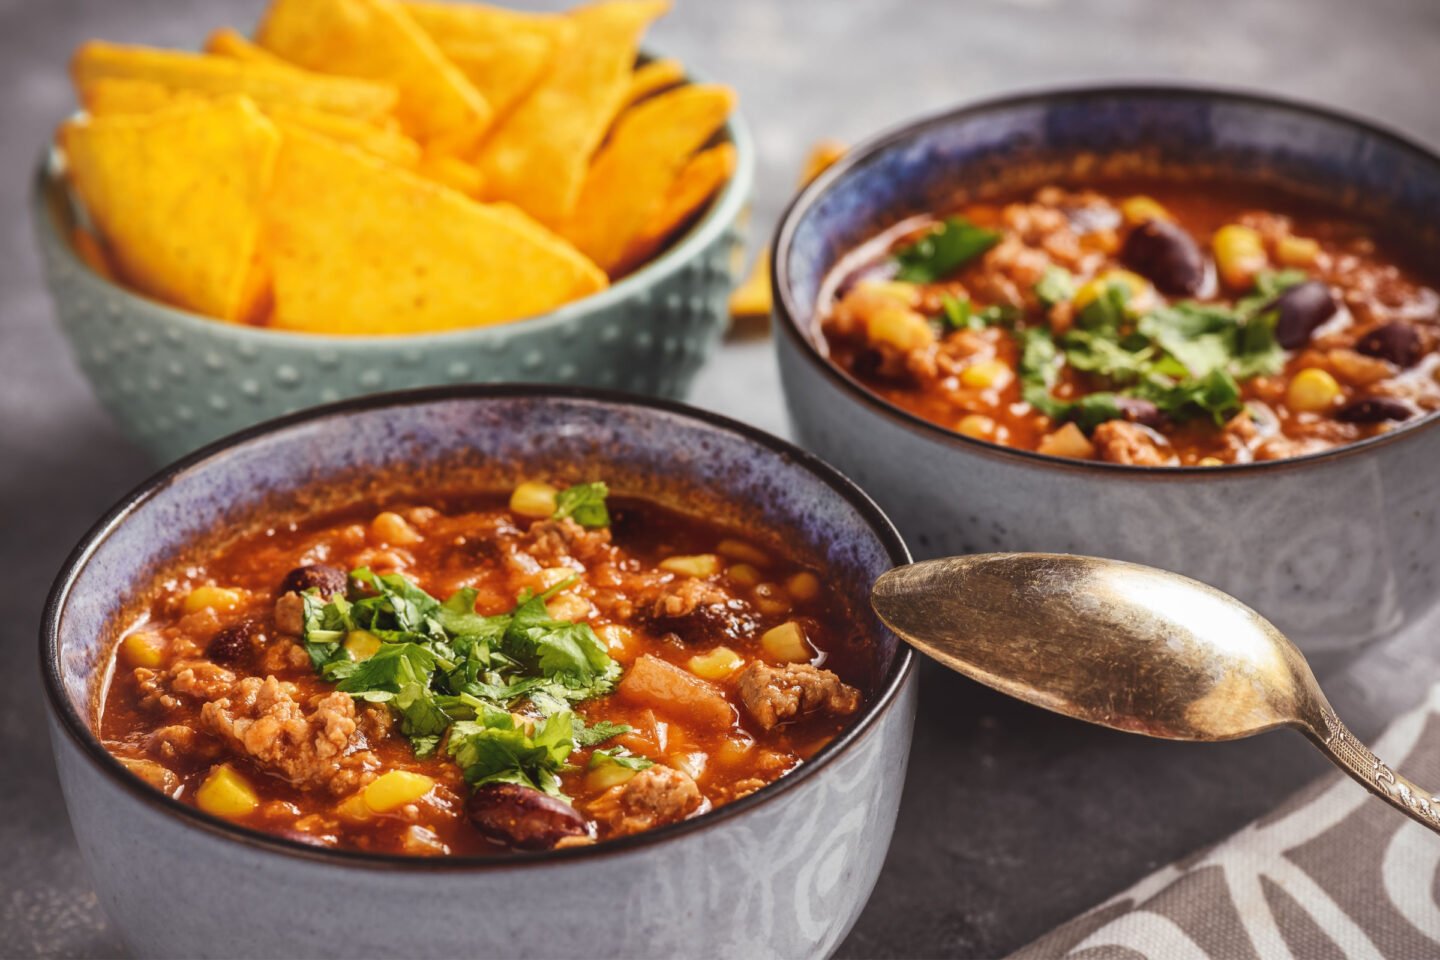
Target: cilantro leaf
1105, 357
959, 314
620, 757
494, 748
1039, 370
598, 732
585, 503
1108, 312
1056, 285
943, 250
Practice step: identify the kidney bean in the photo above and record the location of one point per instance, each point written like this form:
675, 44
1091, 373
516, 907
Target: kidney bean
523, 817
327, 579
1302, 309
1397, 342
1140, 411
1165, 255
234, 643
1374, 410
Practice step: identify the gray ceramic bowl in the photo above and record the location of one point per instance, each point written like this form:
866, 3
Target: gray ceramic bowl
783, 872
175, 380
1337, 548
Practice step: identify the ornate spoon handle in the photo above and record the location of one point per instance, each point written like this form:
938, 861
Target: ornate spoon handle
1352, 756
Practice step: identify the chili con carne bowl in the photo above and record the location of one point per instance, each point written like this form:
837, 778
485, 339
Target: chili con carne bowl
1190, 328
224, 771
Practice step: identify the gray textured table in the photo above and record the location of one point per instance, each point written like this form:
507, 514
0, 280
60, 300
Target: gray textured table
1013, 820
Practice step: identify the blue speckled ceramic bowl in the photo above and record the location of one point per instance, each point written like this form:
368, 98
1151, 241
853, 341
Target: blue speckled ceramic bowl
175, 380
1337, 548
783, 872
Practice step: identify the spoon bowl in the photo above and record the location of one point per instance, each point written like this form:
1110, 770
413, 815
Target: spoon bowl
1128, 647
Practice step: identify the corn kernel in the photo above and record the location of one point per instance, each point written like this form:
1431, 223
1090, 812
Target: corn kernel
605, 775
1297, 251
743, 552
1239, 255
393, 790
985, 374
1139, 288
568, 606
771, 600
143, 649
354, 808
744, 574
787, 642
1209, 462
554, 576
734, 750
1312, 390
361, 644
225, 793
976, 425
897, 290
219, 599
699, 565
1140, 208
900, 328
394, 530
715, 664
1068, 441
803, 586
533, 499
616, 638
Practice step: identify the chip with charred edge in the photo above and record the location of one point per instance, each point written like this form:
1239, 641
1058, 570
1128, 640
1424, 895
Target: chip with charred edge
626, 184
652, 77
229, 42
538, 155
178, 197
377, 40
697, 182
218, 76
361, 247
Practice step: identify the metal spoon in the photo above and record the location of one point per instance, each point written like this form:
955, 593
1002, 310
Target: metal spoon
1128, 647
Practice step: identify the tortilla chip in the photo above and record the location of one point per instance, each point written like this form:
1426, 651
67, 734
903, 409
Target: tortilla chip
228, 42
652, 77
89, 249
626, 184
178, 195
504, 71
219, 76
112, 96
453, 172
377, 40
692, 188
469, 22
363, 248
387, 144
538, 155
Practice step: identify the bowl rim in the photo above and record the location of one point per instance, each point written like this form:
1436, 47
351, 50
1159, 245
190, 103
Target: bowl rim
724, 208
79, 730
787, 312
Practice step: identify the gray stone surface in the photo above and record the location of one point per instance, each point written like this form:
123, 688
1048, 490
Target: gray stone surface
1013, 820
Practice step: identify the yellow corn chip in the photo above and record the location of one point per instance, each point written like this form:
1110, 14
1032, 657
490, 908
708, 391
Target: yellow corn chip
453, 172
177, 195
89, 249
627, 182
505, 70
228, 42
361, 247
537, 156
376, 39
468, 22
113, 96
653, 77
217, 76
697, 182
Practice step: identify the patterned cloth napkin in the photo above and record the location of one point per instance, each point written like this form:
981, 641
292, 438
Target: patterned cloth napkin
1332, 873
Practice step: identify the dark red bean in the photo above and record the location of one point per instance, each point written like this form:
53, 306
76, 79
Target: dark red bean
1397, 342
235, 642
1140, 411
321, 576
1165, 255
1302, 309
1374, 410
523, 817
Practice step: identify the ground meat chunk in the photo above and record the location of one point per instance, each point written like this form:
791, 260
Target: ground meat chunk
695, 610
551, 542
316, 750
196, 679
174, 740
1120, 441
290, 614
773, 695
654, 796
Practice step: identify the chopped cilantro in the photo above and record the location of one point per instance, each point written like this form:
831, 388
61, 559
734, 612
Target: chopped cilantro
1056, 286
961, 314
949, 246
621, 758
599, 732
496, 748
1107, 313
585, 503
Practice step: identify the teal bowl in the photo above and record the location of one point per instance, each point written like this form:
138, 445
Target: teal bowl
175, 380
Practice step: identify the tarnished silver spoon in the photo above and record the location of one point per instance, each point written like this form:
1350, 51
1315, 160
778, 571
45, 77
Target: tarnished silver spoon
1128, 647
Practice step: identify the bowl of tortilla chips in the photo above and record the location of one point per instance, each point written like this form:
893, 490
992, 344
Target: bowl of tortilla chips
368, 195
